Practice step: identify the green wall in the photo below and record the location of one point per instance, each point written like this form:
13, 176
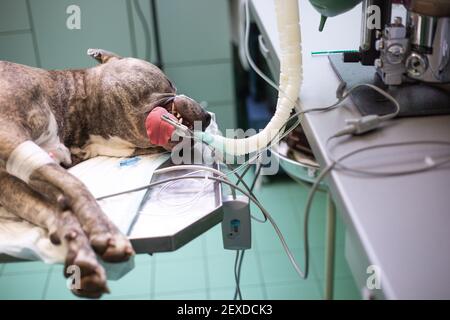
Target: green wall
194, 41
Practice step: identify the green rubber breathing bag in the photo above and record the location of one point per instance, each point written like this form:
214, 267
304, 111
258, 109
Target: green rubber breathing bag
331, 8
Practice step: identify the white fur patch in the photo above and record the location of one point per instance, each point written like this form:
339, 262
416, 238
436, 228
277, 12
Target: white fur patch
50, 142
99, 146
25, 159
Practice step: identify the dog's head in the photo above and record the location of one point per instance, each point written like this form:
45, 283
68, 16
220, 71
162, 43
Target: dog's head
132, 88
187, 111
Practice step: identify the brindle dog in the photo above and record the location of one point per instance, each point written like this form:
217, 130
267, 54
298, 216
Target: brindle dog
75, 115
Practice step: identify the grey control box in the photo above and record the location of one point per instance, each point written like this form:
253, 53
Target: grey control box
236, 223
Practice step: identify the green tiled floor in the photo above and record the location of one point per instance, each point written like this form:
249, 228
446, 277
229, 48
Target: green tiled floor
204, 270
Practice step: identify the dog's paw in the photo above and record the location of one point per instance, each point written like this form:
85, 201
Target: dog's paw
87, 274
112, 246
61, 154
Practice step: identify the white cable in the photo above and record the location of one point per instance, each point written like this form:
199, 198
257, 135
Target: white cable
198, 168
237, 267
337, 165
185, 205
191, 167
247, 51
25, 159
241, 34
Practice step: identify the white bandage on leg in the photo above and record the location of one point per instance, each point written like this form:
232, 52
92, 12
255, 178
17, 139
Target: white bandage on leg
25, 159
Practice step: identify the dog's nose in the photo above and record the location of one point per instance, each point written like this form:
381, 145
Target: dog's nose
207, 121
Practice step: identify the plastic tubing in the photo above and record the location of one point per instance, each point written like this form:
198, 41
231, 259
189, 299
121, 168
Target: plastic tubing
288, 25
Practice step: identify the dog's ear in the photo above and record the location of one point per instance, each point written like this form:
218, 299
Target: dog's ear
102, 56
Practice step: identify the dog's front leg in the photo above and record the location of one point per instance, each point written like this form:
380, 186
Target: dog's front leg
25, 160
63, 226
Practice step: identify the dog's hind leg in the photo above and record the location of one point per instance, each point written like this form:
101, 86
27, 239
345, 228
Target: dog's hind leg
54, 182
63, 226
